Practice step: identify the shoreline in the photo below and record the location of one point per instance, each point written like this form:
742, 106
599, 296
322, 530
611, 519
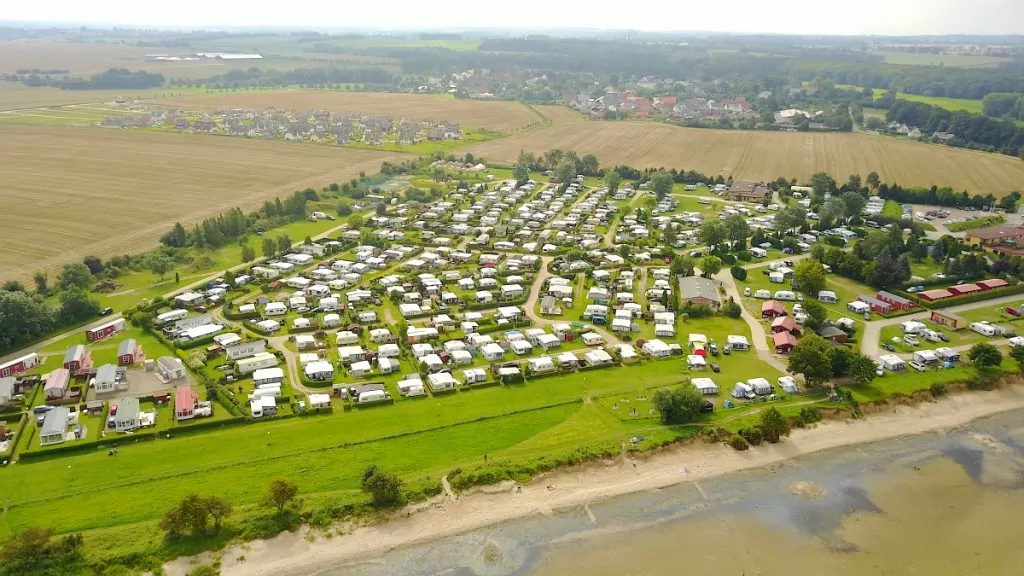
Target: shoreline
291, 554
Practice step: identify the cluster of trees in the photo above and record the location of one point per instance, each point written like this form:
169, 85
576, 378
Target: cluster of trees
34, 551
258, 78
565, 165
678, 405
1004, 106
233, 224
971, 130
25, 317
820, 362
949, 82
112, 79
945, 196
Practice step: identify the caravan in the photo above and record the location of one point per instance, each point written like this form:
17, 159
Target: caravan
986, 328
786, 295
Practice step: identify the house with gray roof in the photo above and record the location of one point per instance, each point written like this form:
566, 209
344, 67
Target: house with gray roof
127, 417
699, 290
55, 426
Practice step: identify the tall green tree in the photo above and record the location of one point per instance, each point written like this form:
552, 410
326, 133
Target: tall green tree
811, 358
809, 277
985, 355
385, 488
661, 184
612, 180
710, 266
682, 265
158, 263
284, 243
39, 279
712, 232
736, 228
74, 275
280, 494
678, 405
773, 425
269, 247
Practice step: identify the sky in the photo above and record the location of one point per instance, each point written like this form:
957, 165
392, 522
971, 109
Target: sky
826, 17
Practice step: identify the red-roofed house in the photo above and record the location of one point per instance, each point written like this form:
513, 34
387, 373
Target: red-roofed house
894, 301
784, 342
785, 324
933, 295
185, 402
961, 289
772, 309
993, 283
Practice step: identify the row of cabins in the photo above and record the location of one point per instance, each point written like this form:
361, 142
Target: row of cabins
962, 289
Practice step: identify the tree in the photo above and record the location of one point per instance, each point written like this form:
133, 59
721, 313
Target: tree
284, 243
355, 221
822, 184
248, 254
661, 184
712, 232
219, 508
75, 275
521, 173
773, 425
612, 180
39, 279
985, 355
682, 265
873, 180
790, 217
738, 272
381, 209
566, 171
816, 314
809, 277
158, 263
854, 203
34, 552
710, 266
94, 264
344, 209
14, 286
269, 247
811, 358
861, 369
76, 306
736, 228
280, 494
385, 488
1017, 353
678, 405
589, 165
732, 309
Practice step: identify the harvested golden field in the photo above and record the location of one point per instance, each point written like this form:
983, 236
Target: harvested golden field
768, 155
502, 116
71, 192
19, 96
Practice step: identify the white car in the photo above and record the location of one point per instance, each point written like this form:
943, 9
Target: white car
917, 366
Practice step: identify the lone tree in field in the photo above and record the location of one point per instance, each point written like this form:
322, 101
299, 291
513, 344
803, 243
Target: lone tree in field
773, 425
678, 405
985, 355
159, 264
385, 488
280, 494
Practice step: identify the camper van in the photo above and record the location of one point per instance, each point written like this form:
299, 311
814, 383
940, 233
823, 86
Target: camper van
986, 328
785, 295
763, 294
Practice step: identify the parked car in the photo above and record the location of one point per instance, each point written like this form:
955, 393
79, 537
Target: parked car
106, 311
943, 337
911, 340
879, 370
889, 347
746, 291
917, 366
715, 367
714, 349
707, 406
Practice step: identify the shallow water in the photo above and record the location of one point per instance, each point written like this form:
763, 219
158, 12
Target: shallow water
945, 504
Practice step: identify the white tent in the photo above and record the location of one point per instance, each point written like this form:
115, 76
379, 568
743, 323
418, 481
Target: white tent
696, 362
742, 390
705, 385
892, 362
761, 386
788, 384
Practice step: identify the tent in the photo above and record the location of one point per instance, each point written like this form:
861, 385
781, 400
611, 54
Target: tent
705, 385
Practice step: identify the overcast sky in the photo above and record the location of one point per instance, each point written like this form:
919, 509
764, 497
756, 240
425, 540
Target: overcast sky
893, 17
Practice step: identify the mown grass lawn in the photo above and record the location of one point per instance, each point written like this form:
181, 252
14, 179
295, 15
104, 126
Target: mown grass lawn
908, 382
892, 209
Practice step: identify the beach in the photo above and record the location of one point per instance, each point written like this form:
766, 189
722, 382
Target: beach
696, 469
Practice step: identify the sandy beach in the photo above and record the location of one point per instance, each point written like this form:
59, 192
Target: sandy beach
292, 554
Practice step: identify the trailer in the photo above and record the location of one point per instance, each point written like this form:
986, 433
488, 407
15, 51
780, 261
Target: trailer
105, 330
19, 365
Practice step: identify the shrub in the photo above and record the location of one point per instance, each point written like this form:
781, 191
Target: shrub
809, 415
753, 435
938, 389
835, 241
744, 255
728, 259
738, 443
738, 272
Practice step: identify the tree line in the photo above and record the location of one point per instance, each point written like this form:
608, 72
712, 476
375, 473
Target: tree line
28, 316
233, 224
1004, 106
970, 130
112, 79
257, 77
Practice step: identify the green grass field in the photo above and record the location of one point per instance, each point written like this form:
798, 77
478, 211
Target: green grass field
952, 104
892, 209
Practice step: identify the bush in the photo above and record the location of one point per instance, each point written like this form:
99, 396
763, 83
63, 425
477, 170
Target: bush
753, 435
697, 310
738, 443
938, 389
809, 415
835, 241
738, 272
744, 255
728, 259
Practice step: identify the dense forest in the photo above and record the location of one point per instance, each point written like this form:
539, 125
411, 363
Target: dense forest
1005, 106
112, 79
300, 76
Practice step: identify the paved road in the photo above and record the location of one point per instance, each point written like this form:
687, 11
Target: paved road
872, 329
757, 335
530, 305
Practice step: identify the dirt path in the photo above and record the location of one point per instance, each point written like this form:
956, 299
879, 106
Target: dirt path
530, 305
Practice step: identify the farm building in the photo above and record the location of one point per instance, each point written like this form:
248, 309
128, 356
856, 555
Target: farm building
170, 368
894, 301
129, 352
784, 342
19, 365
105, 330
55, 426
744, 191
934, 295
185, 403
77, 358
56, 383
996, 237
772, 309
948, 319
699, 290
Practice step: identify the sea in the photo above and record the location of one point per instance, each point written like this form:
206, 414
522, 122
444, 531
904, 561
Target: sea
949, 503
